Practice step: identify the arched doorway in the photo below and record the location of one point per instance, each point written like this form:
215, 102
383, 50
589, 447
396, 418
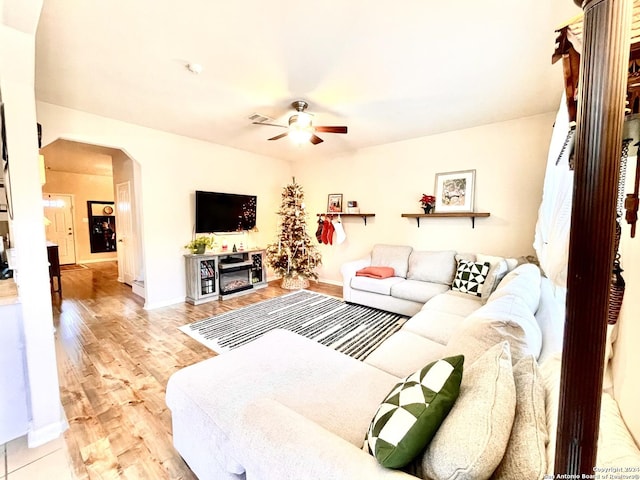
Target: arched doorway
94, 176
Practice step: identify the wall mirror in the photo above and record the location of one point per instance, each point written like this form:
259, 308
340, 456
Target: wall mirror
102, 226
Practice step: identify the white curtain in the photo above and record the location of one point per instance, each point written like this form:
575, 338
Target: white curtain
551, 240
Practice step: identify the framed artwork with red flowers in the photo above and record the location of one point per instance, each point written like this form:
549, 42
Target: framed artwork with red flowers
455, 191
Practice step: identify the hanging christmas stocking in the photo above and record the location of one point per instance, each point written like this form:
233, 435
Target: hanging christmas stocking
330, 233
340, 235
319, 230
325, 231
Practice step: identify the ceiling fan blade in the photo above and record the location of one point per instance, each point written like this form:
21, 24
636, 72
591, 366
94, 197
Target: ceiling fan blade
270, 124
315, 139
331, 129
278, 137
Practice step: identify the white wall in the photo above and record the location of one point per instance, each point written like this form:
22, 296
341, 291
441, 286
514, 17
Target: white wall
172, 168
17, 53
388, 180
83, 187
626, 355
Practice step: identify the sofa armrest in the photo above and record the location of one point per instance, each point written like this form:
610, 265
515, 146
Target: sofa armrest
348, 271
274, 442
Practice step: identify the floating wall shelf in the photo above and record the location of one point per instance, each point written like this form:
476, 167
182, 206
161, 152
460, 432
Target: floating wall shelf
361, 215
472, 215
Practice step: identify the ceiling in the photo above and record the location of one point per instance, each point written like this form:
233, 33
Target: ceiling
74, 157
390, 72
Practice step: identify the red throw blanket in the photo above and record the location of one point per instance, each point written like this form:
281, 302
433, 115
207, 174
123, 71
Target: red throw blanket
376, 272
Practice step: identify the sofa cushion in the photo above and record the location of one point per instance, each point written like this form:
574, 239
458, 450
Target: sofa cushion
395, 256
375, 285
434, 325
525, 456
524, 282
550, 371
411, 413
311, 386
436, 267
454, 302
616, 447
472, 439
470, 277
404, 352
470, 257
498, 270
417, 291
506, 318
550, 317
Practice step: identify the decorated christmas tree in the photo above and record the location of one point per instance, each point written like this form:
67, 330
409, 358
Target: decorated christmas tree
293, 256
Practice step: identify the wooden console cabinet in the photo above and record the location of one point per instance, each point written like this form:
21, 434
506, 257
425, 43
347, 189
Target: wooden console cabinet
224, 275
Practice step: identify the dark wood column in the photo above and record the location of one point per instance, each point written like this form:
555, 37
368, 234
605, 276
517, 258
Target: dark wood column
602, 89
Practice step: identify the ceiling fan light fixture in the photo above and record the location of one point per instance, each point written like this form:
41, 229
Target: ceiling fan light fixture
300, 129
301, 119
299, 134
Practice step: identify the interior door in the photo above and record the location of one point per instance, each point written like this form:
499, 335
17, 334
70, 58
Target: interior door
126, 242
58, 214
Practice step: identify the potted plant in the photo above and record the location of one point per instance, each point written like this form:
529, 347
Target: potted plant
199, 244
427, 202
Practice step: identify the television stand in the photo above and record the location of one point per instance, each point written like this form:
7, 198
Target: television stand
224, 275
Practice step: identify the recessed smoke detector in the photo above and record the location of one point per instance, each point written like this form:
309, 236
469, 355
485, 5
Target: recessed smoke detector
194, 68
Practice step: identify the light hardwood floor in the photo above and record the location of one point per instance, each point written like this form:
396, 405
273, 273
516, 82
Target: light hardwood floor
114, 360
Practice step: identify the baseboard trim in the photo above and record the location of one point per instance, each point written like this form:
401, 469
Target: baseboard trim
138, 289
166, 303
114, 259
40, 436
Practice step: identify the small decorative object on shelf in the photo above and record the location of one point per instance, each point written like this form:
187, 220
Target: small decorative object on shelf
199, 244
334, 202
427, 202
352, 207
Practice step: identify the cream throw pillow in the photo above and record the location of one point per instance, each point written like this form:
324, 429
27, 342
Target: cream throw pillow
525, 456
497, 271
472, 439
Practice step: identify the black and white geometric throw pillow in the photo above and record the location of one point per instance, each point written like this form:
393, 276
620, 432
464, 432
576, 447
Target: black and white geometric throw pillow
470, 277
408, 418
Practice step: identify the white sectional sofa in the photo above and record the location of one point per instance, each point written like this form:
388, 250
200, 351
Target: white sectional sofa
284, 407
418, 277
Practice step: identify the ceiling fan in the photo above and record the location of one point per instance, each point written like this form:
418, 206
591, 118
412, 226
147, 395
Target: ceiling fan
301, 128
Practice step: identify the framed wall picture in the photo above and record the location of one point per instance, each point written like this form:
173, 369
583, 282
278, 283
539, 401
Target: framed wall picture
334, 204
455, 191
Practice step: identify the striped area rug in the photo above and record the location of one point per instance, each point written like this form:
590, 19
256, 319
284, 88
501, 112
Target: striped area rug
351, 329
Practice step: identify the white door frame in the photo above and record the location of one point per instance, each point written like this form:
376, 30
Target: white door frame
126, 241
73, 219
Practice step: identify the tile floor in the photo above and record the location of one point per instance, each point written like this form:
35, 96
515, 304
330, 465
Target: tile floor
18, 462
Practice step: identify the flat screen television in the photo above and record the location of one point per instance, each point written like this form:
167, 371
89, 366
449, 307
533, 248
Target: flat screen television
224, 212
